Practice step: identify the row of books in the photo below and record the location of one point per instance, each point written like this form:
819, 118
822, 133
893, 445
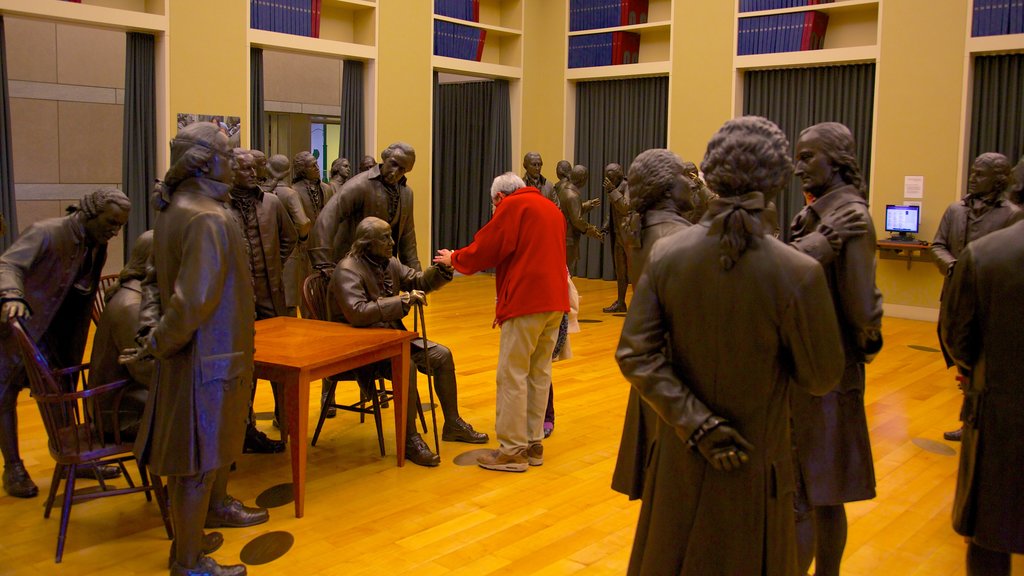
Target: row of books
300, 17
458, 41
461, 9
594, 14
782, 33
997, 17
757, 5
604, 49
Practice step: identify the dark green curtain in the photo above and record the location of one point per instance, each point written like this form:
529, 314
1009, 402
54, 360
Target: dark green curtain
257, 134
472, 145
138, 152
997, 109
796, 98
615, 121
8, 208
353, 122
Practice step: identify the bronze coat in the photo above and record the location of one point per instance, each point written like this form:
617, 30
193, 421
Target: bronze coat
362, 196
831, 432
982, 325
278, 237
355, 296
203, 340
40, 268
298, 267
640, 427
700, 341
302, 223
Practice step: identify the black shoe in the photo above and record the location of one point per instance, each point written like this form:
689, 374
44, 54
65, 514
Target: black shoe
207, 566
17, 482
258, 443
954, 435
615, 307
212, 541
459, 430
231, 513
417, 452
105, 471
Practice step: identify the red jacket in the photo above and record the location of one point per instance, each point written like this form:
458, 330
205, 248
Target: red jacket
525, 243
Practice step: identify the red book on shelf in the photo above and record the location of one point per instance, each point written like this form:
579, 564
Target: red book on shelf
625, 47
633, 12
475, 8
480, 44
813, 36
316, 7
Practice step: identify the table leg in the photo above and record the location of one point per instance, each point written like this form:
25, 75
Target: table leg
298, 427
400, 389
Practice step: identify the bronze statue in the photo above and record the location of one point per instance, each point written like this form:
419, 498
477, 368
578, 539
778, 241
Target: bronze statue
48, 279
832, 446
313, 195
367, 162
983, 211
341, 171
269, 239
197, 316
259, 162
523, 242
562, 170
381, 192
724, 319
372, 288
614, 185
702, 195
574, 211
982, 325
116, 331
532, 163
1015, 193
279, 178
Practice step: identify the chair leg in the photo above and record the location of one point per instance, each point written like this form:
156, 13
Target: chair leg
143, 478
54, 484
161, 501
375, 401
363, 399
127, 476
323, 411
65, 513
382, 391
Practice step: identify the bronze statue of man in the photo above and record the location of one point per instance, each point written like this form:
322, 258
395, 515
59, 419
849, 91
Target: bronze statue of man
198, 315
269, 239
341, 171
381, 192
367, 162
370, 287
48, 280
259, 163
575, 210
725, 321
1015, 193
313, 195
562, 170
830, 434
279, 176
702, 195
614, 185
532, 164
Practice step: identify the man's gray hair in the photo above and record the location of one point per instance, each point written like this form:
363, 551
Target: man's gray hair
507, 183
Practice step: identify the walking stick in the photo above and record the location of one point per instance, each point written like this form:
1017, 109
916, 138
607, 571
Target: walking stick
421, 318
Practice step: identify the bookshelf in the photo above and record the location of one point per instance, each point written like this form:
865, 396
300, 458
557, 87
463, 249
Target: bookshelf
141, 15
502, 53
348, 28
655, 46
851, 37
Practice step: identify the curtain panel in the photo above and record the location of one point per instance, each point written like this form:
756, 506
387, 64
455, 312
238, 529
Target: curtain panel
257, 112
997, 109
138, 152
353, 121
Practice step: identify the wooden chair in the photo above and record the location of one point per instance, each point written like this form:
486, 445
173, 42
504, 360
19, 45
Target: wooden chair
76, 439
100, 301
314, 294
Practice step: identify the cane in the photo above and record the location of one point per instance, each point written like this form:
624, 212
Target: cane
421, 319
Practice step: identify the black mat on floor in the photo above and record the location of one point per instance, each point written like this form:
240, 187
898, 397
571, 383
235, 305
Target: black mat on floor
934, 446
267, 547
264, 415
468, 458
589, 321
923, 348
276, 496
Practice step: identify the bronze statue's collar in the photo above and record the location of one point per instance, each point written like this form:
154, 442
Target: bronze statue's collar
836, 198
374, 174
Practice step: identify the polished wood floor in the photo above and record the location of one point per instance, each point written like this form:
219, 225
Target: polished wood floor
367, 517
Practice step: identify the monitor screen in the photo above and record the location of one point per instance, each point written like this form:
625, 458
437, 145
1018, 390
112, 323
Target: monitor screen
903, 219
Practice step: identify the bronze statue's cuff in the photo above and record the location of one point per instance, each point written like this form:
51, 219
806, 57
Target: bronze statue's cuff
446, 272
710, 424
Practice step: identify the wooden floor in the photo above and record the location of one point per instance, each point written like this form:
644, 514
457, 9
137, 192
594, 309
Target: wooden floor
366, 516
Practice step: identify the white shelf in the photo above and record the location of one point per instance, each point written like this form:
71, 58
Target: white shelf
294, 43
646, 26
87, 14
497, 30
619, 71
842, 6
354, 4
991, 44
474, 68
806, 58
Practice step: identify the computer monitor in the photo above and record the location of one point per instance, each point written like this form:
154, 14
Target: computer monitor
902, 221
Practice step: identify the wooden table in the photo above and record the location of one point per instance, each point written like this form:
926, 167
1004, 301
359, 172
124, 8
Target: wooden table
295, 351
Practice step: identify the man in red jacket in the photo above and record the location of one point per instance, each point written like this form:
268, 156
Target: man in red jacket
525, 243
